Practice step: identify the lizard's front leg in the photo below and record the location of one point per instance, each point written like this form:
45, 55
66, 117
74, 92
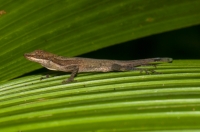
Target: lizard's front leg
73, 74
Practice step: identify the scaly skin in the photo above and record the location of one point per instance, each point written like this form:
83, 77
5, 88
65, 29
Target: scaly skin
76, 64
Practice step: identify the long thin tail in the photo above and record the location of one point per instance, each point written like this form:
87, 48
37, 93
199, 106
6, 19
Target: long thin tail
131, 65
151, 61
161, 60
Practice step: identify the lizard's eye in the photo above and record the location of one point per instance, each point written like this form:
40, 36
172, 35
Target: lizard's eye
38, 52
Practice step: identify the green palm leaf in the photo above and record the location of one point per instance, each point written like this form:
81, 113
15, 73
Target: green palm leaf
123, 101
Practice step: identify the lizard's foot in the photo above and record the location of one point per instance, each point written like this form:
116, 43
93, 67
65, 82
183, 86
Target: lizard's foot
47, 76
147, 71
68, 81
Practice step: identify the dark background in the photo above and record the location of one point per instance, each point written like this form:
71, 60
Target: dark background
178, 44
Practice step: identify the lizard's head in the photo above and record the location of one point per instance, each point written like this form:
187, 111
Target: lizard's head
38, 56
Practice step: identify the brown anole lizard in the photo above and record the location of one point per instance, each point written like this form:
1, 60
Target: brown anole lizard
77, 64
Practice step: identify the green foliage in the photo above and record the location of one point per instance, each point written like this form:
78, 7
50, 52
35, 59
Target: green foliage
123, 101
72, 28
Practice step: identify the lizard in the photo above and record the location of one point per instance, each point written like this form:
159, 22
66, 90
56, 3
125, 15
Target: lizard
77, 65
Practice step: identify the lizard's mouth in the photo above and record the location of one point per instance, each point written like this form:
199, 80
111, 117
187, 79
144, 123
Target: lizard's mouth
27, 56
34, 58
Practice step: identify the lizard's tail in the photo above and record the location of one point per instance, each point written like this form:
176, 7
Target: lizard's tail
169, 60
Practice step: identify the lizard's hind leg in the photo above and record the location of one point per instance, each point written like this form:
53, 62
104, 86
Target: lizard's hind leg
147, 71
